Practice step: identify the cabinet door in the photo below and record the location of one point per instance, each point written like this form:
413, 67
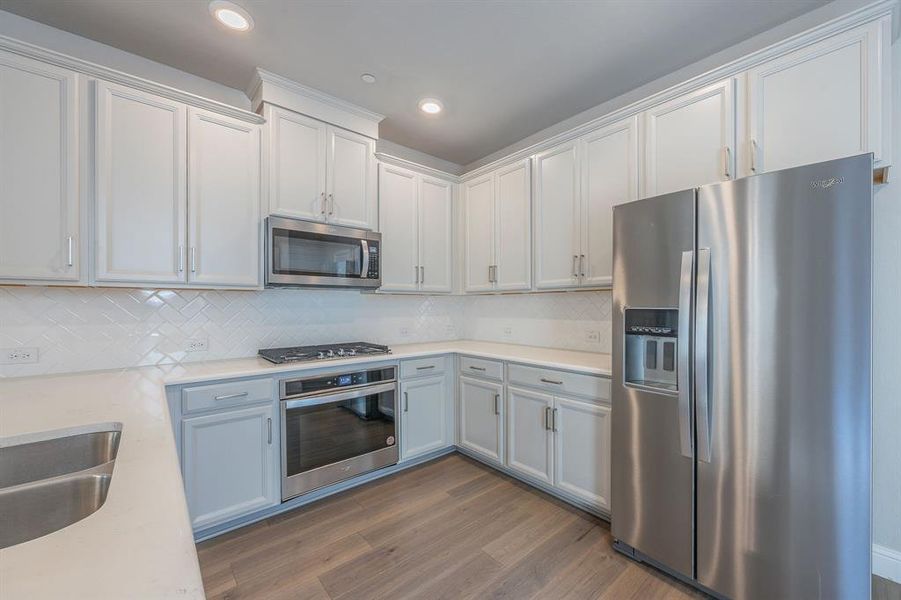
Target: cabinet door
557, 201
141, 183
530, 440
436, 235
223, 200
398, 225
822, 102
513, 226
423, 416
481, 417
229, 464
296, 164
350, 183
690, 140
478, 233
609, 177
582, 450
39, 220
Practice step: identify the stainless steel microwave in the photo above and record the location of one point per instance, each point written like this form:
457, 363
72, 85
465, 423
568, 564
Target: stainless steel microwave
301, 253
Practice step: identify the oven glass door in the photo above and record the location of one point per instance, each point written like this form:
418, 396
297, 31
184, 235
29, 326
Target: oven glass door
322, 431
307, 254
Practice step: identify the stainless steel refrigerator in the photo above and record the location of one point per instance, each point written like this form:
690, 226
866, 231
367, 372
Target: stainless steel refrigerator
741, 383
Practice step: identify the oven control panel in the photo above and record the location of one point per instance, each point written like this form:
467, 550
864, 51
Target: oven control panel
292, 388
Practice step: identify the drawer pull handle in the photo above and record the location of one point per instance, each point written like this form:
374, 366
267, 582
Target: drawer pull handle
230, 396
425, 368
543, 380
476, 368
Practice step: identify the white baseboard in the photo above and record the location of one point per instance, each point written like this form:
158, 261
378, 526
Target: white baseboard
887, 563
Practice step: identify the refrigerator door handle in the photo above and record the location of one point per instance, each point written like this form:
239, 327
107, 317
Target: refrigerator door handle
702, 321
684, 354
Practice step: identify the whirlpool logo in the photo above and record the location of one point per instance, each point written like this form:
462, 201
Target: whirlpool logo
825, 184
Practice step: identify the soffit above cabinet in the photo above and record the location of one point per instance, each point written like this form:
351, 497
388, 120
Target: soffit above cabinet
281, 91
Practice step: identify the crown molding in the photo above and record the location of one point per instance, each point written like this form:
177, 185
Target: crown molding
114, 76
418, 167
272, 88
865, 14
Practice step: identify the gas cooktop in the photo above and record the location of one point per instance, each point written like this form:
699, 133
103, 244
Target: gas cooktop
325, 352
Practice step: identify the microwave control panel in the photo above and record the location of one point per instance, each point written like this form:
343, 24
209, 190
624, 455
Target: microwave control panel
373, 266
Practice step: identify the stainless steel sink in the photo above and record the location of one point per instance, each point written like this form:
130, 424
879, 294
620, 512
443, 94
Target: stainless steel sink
57, 456
51, 484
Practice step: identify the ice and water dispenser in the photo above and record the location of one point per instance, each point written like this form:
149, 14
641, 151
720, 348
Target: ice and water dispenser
651, 347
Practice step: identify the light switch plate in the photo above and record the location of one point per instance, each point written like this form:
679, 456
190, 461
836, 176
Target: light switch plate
197, 345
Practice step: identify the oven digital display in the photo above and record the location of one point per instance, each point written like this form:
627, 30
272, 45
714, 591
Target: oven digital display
345, 379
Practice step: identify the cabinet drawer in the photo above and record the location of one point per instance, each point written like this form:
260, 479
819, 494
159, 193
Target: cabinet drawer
223, 395
563, 382
479, 367
420, 367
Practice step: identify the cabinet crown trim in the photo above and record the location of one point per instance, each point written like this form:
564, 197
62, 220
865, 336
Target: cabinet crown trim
390, 159
867, 14
266, 86
133, 81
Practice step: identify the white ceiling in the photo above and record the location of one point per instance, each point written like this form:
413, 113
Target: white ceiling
503, 68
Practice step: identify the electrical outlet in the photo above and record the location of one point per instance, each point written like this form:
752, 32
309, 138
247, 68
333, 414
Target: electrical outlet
20, 355
197, 345
404, 332
450, 330
508, 331
593, 337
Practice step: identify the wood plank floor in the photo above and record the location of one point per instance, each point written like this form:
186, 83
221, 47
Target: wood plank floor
449, 529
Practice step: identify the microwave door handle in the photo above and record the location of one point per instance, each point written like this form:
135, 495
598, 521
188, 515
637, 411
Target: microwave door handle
364, 265
332, 398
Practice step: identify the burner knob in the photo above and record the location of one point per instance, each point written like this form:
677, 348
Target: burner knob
320, 354
340, 351
351, 352
330, 353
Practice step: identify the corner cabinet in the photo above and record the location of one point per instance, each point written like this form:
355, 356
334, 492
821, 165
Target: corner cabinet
319, 172
497, 230
423, 416
827, 100
39, 207
690, 140
229, 461
223, 200
416, 223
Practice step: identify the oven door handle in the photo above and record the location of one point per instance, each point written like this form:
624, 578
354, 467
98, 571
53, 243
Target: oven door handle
331, 398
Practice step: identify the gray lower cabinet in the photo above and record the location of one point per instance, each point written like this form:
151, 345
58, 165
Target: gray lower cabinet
230, 463
481, 417
423, 416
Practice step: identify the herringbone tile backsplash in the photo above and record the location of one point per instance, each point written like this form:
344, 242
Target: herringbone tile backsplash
79, 329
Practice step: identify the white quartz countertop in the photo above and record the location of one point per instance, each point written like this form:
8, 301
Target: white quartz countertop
140, 543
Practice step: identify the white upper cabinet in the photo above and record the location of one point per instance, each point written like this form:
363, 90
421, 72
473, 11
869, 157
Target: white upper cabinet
513, 223
140, 186
827, 100
478, 233
416, 223
39, 208
398, 226
557, 228
609, 177
435, 235
350, 181
690, 140
223, 200
297, 157
497, 230
318, 171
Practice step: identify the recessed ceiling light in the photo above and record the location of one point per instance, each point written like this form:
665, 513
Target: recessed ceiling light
231, 15
368, 78
431, 106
